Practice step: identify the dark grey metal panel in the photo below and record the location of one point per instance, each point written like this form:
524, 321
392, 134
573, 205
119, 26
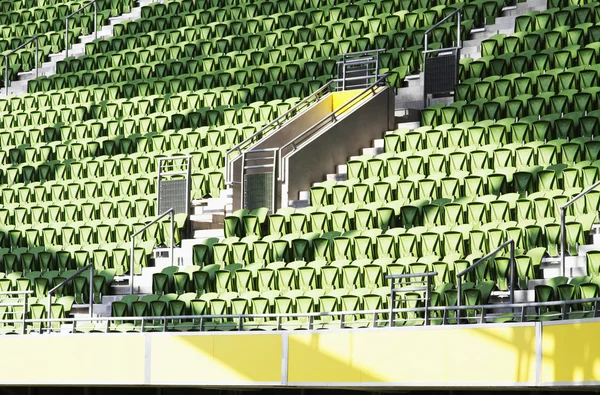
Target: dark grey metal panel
258, 190
173, 194
440, 74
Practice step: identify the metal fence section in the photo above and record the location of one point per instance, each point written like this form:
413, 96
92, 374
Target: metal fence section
438, 315
416, 288
441, 65
173, 184
7, 58
358, 70
259, 175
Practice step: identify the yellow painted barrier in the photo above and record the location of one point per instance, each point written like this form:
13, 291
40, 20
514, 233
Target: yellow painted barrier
570, 353
92, 359
529, 355
415, 357
225, 359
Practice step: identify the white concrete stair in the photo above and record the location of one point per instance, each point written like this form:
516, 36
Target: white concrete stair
19, 86
411, 95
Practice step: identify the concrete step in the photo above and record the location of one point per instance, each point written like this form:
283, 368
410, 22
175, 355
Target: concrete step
78, 49
408, 125
203, 234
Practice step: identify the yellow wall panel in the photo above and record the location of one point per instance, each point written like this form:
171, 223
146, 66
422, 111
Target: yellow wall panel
423, 356
221, 359
72, 359
570, 353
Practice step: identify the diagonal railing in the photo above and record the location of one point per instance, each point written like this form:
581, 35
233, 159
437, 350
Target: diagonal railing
83, 7
171, 213
7, 57
333, 117
89, 267
509, 243
235, 152
563, 223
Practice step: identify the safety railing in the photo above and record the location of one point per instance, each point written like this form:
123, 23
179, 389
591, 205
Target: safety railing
11, 299
331, 118
439, 315
509, 243
432, 28
83, 7
89, 267
563, 224
355, 67
277, 123
398, 284
7, 58
171, 213
444, 75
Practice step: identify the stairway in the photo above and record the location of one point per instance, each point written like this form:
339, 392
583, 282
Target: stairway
19, 86
411, 95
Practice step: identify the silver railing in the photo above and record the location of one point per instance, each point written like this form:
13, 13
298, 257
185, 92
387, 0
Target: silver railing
356, 66
439, 315
18, 299
563, 224
329, 119
6, 59
458, 43
399, 285
510, 243
455, 49
270, 127
171, 213
89, 267
95, 3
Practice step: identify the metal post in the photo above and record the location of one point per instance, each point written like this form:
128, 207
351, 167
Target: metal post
458, 44
91, 309
95, 20
172, 220
427, 298
512, 272
392, 301
37, 49
66, 37
49, 306
6, 73
24, 314
459, 299
563, 239
131, 265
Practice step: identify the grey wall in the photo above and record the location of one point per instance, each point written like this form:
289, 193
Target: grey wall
287, 133
334, 144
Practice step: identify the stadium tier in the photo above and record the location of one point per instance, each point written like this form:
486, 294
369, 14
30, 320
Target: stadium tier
80, 150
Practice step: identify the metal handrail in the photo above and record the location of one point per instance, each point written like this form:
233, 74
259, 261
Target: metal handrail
458, 43
277, 121
6, 58
311, 316
563, 224
89, 267
502, 246
332, 117
362, 52
394, 291
170, 212
95, 3
24, 304
450, 15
